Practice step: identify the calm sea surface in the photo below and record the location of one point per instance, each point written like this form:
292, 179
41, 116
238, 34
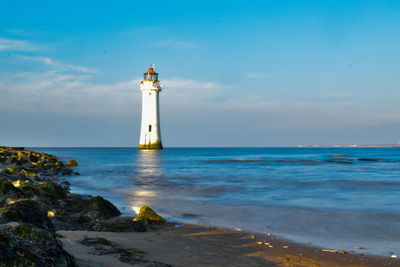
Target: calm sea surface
337, 198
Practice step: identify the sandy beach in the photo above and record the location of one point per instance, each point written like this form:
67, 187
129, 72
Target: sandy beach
195, 245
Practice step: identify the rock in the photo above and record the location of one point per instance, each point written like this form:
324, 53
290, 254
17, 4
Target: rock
32, 233
12, 171
67, 172
6, 251
150, 215
8, 191
140, 224
50, 190
99, 208
27, 245
19, 183
27, 211
72, 162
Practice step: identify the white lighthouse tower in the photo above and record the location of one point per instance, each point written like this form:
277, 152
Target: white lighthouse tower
150, 135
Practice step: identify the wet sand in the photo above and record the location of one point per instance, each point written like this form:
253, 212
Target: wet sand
195, 245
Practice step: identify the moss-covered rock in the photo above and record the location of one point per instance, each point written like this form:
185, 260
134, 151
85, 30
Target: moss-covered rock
72, 162
28, 173
27, 245
93, 208
98, 207
12, 171
8, 191
50, 190
150, 215
19, 183
32, 233
140, 224
25, 210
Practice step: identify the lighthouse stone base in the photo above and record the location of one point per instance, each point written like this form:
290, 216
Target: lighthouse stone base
154, 146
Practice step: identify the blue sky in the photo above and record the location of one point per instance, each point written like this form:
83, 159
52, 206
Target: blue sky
235, 73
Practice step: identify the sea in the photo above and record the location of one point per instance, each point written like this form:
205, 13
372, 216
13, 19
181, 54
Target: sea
333, 198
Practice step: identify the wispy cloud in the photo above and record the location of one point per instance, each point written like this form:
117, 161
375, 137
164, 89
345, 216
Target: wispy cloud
51, 62
68, 94
17, 45
257, 76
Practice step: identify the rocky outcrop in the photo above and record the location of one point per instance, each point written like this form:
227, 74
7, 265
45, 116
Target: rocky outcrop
30, 196
34, 205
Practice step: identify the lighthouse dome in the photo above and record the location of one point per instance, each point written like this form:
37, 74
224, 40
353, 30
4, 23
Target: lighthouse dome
151, 75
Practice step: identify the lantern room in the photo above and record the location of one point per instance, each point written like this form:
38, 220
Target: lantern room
151, 75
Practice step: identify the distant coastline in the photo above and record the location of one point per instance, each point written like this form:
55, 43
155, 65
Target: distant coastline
330, 146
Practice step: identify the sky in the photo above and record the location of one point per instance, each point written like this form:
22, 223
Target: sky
234, 73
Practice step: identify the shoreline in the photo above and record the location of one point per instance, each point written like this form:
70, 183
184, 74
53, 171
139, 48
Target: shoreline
199, 245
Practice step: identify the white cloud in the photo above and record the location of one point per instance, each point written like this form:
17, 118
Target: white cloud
16, 45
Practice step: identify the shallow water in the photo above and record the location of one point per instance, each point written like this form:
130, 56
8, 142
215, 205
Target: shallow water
337, 198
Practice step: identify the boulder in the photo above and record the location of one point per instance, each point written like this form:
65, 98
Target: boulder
150, 215
93, 207
72, 162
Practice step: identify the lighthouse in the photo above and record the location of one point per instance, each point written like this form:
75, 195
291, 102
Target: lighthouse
150, 135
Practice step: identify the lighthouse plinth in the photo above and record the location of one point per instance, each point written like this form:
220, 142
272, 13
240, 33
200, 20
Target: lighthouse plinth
150, 133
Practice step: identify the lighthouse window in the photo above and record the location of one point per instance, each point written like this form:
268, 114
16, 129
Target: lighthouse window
149, 128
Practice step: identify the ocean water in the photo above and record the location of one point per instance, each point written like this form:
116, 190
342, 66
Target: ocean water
337, 198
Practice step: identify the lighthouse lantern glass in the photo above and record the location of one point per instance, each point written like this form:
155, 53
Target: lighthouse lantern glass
151, 76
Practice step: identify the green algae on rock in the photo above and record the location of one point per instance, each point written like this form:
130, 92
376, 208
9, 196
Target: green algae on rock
150, 215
